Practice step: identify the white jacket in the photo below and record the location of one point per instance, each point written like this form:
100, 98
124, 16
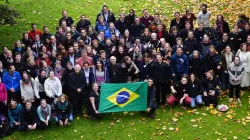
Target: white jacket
29, 91
48, 87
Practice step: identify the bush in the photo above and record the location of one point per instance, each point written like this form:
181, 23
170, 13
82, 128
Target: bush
8, 15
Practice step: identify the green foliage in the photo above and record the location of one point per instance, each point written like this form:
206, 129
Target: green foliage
8, 15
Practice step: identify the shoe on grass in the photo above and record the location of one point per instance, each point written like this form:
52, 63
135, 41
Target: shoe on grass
230, 100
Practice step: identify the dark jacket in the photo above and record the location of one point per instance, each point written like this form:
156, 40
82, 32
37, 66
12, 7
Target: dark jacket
80, 24
111, 17
28, 117
225, 27
222, 45
69, 21
235, 40
44, 36
196, 65
160, 72
211, 61
224, 62
199, 35
195, 89
243, 35
210, 84
181, 89
137, 30
151, 97
180, 25
204, 48
117, 74
121, 26
184, 33
179, 64
65, 78
76, 81
191, 45
130, 19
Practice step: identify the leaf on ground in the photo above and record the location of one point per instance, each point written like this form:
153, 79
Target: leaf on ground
235, 137
112, 123
40, 137
171, 128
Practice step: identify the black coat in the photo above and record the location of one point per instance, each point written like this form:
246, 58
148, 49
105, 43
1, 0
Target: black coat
235, 40
137, 30
151, 97
196, 65
117, 74
76, 81
243, 35
222, 45
160, 72
195, 89
69, 21
83, 25
199, 35
180, 25
121, 26
191, 45
28, 117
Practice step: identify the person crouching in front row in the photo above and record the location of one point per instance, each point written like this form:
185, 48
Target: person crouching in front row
180, 93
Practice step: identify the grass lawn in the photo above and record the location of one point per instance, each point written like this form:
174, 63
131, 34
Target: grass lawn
171, 122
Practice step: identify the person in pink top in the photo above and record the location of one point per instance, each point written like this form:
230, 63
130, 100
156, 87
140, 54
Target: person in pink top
3, 99
84, 58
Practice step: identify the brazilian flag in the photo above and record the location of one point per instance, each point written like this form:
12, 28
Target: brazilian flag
123, 97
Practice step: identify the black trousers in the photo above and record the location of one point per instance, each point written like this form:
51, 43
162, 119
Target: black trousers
3, 109
211, 100
237, 91
78, 100
161, 92
15, 95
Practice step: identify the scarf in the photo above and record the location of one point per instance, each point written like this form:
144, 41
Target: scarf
26, 81
62, 106
41, 80
45, 112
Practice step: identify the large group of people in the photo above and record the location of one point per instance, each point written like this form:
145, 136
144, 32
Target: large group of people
49, 76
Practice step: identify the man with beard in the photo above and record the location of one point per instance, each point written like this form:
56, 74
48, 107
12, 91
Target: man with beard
77, 84
117, 72
191, 43
204, 16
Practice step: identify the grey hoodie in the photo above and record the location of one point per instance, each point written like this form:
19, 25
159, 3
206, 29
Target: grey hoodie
235, 73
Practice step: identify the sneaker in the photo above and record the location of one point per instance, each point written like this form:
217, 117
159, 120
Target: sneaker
230, 100
238, 100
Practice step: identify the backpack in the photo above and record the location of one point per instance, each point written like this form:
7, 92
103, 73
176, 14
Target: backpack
5, 130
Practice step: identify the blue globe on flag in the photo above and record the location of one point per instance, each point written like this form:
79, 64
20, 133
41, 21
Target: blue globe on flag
122, 97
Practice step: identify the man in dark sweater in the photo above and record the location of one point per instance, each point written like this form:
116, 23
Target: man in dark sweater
117, 72
28, 117
121, 24
223, 43
107, 14
83, 23
68, 19
77, 84
146, 19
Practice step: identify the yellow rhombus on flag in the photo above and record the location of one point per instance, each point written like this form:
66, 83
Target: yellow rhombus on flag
132, 96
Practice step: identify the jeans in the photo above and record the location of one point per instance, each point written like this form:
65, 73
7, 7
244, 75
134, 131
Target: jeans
63, 116
197, 99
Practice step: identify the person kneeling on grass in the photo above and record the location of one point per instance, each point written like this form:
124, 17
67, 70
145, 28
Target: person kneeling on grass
151, 98
180, 93
195, 91
63, 109
44, 114
94, 102
210, 89
28, 118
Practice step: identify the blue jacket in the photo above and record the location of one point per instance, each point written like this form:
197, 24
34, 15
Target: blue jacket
99, 27
12, 81
179, 64
14, 114
108, 34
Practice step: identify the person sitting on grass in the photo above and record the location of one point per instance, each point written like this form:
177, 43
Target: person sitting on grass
64, 114
151, 98
94, 102
44, 114
195, 91
14, 112
210, 89
28, 117
180, 93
